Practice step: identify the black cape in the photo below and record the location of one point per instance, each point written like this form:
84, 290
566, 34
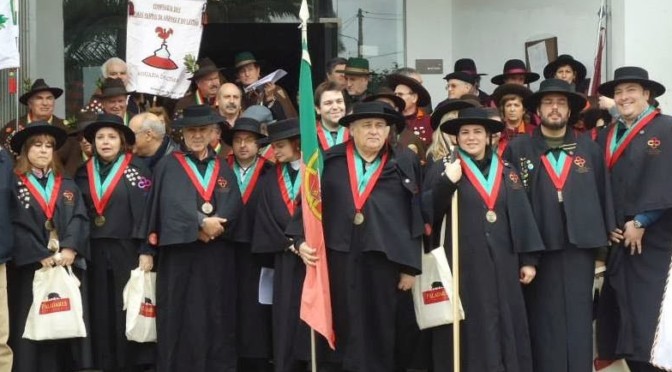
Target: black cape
634, 284
494, 334
570, 230
365, 261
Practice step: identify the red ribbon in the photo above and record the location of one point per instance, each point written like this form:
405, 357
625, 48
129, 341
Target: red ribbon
289, 203
48, 209
101, 204
613, 158
322, 136
358, 199
206, 194
253, 180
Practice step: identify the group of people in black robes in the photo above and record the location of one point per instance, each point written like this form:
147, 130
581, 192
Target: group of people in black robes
224, 235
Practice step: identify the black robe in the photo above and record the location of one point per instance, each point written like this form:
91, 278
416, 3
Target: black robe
196, 281
365, 261
631, 297
494, 334
291, 336
30, 247
254, 319
561, 320
114, 253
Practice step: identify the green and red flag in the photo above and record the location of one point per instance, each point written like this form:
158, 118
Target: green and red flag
316, 297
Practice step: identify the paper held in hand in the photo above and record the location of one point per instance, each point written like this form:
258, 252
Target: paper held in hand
270, 78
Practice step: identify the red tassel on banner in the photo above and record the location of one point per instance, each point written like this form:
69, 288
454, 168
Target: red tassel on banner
11, 83
204, 15
131, 8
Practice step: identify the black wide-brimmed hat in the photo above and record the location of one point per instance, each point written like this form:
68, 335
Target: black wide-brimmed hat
282, 129
423, 95
37, 128
472, 116
451, 104
506, 89
565, 60
384, 93
576, 101
197, 116
39, 86
108, 121
367, 110
82, 120
462, 76
112, 88
242, 125
631, 74
205, 67
515, 67
468, 66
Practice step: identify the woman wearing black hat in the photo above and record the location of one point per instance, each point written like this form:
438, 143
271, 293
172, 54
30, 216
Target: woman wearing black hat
566, 68
255, 346
50, 228
276, 208
115, 185
509, 100
497, 231
193, 201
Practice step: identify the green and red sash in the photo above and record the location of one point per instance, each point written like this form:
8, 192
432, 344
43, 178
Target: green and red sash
288, 189
327, 141
101, 192
205, 185
615, 148
489, 188
248, 182
47, 196
362, 183
557, 169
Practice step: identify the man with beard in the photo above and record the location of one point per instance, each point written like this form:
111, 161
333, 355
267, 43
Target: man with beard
206, 80
330, 108
229, 101
567, 184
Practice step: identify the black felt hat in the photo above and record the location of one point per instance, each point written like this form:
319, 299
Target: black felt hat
383, 93
242, 125
39, 86
462, 76
565, 60
423, 95
36, 128
112, 88
515, 67
472, 116
198, 116
576, 101
283, 129
449, 105
630, 74
506, 89
366, 110
468, 66
108, 121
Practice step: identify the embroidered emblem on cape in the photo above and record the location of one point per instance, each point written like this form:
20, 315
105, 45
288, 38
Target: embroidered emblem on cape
653, 146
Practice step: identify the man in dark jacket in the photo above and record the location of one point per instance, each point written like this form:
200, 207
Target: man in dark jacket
151, 142
568, 187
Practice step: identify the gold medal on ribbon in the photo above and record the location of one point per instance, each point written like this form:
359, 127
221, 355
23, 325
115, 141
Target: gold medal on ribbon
491, 216
49, 225
207, 208
99, 220
359, 218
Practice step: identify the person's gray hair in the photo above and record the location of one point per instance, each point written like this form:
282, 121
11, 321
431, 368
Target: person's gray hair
110, 61
150, 123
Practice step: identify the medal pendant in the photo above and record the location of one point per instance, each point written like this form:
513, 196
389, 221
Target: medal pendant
359, 218
207, 208
560, 196
491, 216
99, 221
49, 225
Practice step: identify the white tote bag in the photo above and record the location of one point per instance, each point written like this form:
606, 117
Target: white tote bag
140, 306
433, 289
56, 312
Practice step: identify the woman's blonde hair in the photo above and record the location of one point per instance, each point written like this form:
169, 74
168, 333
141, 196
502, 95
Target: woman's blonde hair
438, 150
23, 166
